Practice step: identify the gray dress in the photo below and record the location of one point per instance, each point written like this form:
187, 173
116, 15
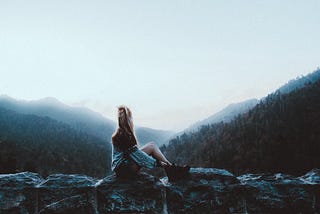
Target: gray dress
132, 155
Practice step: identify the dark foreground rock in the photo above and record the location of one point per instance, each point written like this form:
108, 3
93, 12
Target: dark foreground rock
67, 194
18, 192
203, 191
144, 194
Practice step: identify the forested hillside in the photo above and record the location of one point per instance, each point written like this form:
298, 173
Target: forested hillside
41, 144
80, 119
300, 82
226, 114
280, 134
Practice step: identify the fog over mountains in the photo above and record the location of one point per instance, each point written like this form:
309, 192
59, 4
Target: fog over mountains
87, 121
80, 118
280, 133
47, 136
226, 114
41, 144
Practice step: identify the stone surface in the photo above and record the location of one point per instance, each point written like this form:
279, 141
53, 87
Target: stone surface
143, 194
281, 193
17, 192
67, 194
205, 190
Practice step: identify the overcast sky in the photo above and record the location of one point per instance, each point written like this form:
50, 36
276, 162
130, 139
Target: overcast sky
172, 62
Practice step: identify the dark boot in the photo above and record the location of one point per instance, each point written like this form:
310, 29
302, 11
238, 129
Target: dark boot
175, 172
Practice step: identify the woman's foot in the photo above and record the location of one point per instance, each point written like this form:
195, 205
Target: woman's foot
163, 164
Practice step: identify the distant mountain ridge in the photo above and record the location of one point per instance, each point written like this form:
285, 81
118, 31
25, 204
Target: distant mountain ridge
50, 129
44, 145
79, 118
279, 134
47, 136
226, 114
146, 135
300, 82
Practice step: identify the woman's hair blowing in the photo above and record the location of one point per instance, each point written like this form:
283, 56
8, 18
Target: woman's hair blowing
125, 123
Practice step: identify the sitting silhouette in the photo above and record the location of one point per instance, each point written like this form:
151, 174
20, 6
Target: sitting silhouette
128, 159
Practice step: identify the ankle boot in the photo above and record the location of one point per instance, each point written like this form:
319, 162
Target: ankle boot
175, 172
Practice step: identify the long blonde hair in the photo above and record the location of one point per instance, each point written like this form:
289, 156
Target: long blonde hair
125, 124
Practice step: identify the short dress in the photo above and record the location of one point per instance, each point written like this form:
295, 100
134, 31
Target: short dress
133, 155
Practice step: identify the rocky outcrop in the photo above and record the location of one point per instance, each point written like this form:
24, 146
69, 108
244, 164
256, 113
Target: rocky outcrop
204, 191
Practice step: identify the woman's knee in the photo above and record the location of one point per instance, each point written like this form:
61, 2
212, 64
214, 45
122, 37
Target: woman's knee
149, 148
152, 145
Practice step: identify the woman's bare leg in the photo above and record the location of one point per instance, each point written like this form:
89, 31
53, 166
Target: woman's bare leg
153, 150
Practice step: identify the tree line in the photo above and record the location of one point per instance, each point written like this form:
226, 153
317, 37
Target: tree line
281, 133
46, 146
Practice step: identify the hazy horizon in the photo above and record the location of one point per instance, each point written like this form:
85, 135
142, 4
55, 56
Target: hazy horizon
174, 63
52, 101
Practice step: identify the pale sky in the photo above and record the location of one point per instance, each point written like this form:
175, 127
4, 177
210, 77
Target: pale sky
172, 62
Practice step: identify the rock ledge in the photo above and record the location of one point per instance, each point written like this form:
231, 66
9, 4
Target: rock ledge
206, 190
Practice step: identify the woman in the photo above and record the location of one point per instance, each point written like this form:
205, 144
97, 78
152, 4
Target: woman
128, 158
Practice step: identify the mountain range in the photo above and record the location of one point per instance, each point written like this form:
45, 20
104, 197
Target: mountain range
48, 136
226, 114
280, 133
80, 118
43, 145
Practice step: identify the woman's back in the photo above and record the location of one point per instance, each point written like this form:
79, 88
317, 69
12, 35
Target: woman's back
122, 141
